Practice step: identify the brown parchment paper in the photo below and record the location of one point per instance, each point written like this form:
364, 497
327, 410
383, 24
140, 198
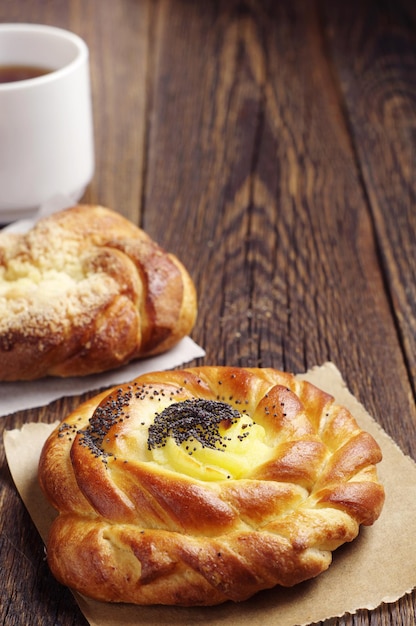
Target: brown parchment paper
379, 566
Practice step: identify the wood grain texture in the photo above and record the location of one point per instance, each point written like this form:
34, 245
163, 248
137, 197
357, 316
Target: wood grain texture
271, 147
119, 74
376, 64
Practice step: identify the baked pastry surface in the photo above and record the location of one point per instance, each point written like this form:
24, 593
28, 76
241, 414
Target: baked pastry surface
203, 485
85, 291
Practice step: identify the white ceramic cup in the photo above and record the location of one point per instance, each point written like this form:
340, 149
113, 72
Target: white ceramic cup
46, 127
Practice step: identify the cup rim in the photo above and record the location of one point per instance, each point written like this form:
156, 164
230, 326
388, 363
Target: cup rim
80, 57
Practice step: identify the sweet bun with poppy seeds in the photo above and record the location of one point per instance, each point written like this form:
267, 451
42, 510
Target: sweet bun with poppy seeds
203, 485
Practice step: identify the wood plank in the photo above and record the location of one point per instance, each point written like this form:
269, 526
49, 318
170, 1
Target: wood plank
374, 50
117, 33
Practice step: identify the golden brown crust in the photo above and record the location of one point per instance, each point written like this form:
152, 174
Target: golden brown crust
135, 526
86, 291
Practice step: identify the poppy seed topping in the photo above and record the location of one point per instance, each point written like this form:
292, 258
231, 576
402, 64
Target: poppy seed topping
193, 420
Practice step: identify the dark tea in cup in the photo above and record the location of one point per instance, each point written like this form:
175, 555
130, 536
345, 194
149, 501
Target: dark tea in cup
46, 130
13, 73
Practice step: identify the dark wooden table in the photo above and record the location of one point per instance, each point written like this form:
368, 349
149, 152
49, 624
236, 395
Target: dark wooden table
271, 145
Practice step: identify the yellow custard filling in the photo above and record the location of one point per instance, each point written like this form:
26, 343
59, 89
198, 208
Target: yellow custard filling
214, 449
208, 464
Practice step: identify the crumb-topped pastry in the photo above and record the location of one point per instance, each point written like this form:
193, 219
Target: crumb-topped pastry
203, 485
85, 291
